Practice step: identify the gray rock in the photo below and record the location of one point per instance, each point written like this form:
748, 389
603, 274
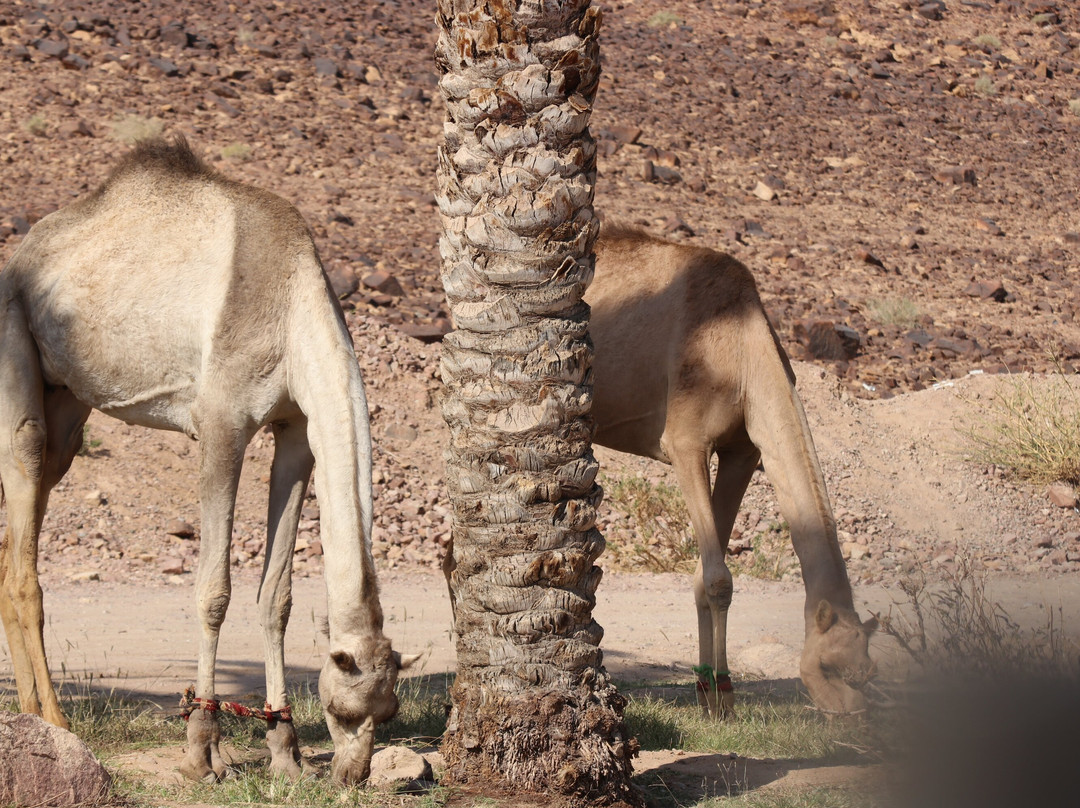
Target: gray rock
44, 765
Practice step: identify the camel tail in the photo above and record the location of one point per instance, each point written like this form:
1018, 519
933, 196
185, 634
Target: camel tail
777, 425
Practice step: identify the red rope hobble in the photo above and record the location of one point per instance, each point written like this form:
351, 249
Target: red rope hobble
189, 703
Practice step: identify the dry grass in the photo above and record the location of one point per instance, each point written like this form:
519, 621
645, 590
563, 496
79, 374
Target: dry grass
900, 312
1032, 427
958, 631
133, 128
655, 534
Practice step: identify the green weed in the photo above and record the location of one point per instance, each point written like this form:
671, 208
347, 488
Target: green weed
988, 42
89, 444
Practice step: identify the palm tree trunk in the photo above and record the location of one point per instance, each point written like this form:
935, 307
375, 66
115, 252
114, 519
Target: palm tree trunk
532, 704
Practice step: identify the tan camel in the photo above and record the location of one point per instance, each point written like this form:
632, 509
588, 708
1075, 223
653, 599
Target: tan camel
687, 367
177, 299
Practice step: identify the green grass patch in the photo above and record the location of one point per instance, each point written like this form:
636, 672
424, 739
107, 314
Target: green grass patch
987, 42
768, 723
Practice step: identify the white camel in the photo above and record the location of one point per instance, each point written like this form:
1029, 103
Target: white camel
177, 299
686, 367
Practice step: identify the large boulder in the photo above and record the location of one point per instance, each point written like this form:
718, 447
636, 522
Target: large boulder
44, 765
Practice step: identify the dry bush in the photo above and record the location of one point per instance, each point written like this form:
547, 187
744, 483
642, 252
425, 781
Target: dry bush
1033, 430
956, 630
133, 128
657, 514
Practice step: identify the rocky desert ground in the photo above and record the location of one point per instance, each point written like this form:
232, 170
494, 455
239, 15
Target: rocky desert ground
901, 176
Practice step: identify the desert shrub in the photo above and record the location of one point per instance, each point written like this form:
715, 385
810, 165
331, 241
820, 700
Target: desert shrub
901, 312
984, 85
236, 151
1031, 429
133, 128
657, 515
956, 629
662, 19
36, 125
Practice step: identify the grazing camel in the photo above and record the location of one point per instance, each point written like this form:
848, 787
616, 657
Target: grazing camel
686, 366
177, 299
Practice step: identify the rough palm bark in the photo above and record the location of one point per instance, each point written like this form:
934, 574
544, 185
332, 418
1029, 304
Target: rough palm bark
532, 704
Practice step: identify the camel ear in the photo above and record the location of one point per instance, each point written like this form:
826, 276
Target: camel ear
405, 661
344, 660
871, 623
824, 617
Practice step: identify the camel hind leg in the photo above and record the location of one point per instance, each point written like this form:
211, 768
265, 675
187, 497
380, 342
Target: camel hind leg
40, 433
289, 478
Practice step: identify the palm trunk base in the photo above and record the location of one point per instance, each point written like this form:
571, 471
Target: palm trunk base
543, 742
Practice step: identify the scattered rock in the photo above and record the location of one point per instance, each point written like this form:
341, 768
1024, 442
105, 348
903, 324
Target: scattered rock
326, 67
172, 565
55, 48
401, 432
164, 66
384, 283
402, 768
766, 191
180, 528
987, 289
828, 340
427, 332
44, 765
955, 176
1062, 495
343, 280
989, 226
934, 10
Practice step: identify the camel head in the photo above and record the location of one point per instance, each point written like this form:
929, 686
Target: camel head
836, 661
356, 688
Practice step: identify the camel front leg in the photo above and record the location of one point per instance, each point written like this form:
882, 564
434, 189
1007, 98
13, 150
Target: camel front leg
712, 579
289, 477
713, 511
219, 475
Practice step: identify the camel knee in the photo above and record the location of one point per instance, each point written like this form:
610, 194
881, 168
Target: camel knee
28, 448
713, 585
276, 610
212, 609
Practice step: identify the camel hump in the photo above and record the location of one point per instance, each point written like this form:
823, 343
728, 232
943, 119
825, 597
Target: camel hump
172, 158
